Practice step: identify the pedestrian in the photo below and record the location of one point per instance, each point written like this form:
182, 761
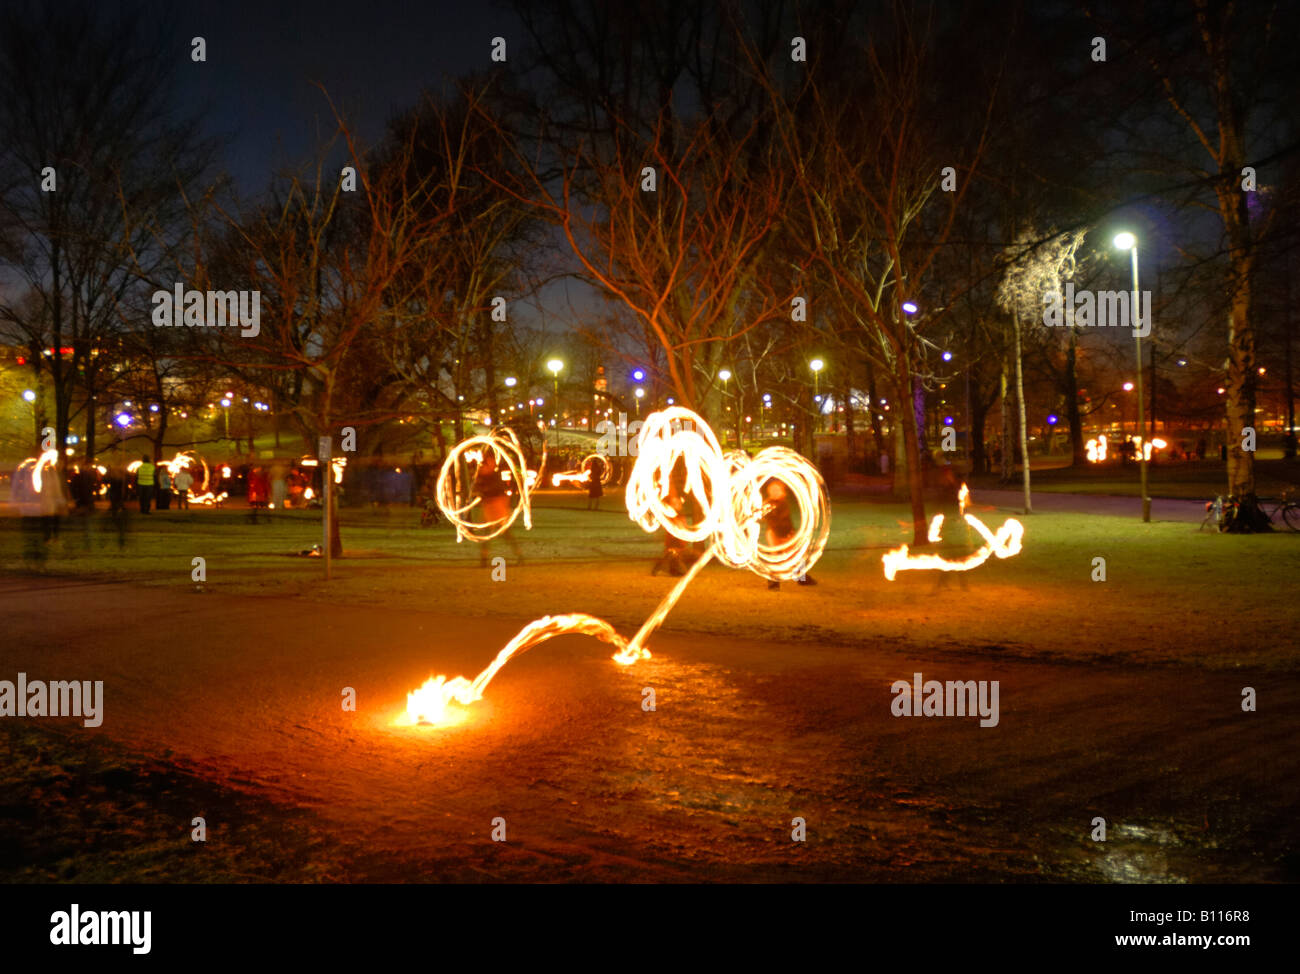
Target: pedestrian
259, 488
494, 502
163, 476
594, 489
778, 525
279, 486
182, 483
144, 482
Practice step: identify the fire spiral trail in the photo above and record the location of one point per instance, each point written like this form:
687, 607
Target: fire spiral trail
1005, 543
513, 466
681, 482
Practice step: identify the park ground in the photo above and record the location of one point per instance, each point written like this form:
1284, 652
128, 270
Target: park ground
1120, 699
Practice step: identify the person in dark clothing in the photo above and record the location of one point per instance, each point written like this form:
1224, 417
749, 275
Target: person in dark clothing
494, 502
594, 489
778, 525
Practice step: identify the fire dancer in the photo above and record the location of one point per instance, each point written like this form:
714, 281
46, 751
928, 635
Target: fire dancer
594, 489
778, 524
495, 504
673, 557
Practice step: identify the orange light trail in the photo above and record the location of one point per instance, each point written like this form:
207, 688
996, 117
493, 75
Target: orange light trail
514, 467
728, 490
1005, 543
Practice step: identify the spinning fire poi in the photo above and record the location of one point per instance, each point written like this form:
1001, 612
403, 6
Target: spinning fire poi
1005, 543
678, 458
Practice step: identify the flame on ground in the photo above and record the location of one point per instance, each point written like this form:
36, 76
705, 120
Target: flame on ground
1005, 543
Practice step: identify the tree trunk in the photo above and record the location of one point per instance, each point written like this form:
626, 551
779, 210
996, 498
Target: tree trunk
1024, 429
911, 452
1078, 454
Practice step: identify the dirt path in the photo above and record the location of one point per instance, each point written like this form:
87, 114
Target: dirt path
745, 737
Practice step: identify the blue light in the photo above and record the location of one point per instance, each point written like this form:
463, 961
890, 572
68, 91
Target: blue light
1052, 419
124, 420
909, 307
639, 375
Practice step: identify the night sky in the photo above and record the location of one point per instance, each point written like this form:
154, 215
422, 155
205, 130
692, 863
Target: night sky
373, 58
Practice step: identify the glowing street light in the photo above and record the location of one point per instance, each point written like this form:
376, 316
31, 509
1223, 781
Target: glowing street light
1126, 241
555, 365
1128, 387
510, 381
910, 307
817, 365
29, 395
725, 376
640, 394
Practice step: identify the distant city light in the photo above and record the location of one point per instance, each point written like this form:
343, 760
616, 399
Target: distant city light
1128, 387
947, 356
724, 375
639, 375
29, 395
640, 393
225, 403
510, 382
124, 420
909, 307
1052, 419
947, 421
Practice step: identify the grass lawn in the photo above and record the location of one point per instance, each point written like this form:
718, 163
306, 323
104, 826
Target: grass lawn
1171, 594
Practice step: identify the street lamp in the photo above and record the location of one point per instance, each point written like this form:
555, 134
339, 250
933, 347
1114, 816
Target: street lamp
510, 382
640, 394
555, 365
725, 376
1126, 241
817, 365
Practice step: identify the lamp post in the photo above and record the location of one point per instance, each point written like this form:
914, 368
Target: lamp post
1126, 241
640, 394
817, 365
555, 365
725, 376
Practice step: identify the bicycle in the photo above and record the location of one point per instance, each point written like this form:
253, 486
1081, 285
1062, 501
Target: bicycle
1288, 508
